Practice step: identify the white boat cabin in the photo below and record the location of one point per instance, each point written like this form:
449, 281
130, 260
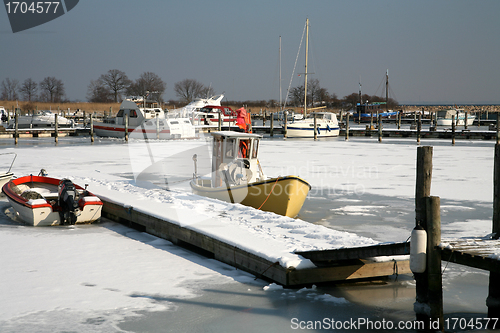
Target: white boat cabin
138, 111
234, 158
323, 115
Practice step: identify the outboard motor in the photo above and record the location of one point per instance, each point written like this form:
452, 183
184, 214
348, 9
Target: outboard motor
68, 201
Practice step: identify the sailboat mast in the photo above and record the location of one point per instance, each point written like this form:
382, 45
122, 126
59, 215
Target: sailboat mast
281, 105
387, 91
305, 75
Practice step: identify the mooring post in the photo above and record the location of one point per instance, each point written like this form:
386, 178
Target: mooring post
422, 191
219, 121
126, 127
453, 130
419, 127
498, 129
380, 128
315, 128
16, 127
433, 271
158, 126
347, 127
91, 128
493, 300
399, 120
466, 117
56, 125
286, 121
271, 130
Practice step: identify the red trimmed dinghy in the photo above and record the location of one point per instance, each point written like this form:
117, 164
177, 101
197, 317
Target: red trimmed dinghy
41, 201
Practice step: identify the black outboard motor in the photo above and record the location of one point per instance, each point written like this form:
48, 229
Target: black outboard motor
68, 201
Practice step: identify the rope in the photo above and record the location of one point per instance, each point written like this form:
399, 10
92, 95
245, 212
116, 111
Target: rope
269, 193
294, 66
272, 265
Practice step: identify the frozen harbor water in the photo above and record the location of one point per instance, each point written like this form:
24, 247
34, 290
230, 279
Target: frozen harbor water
109, 278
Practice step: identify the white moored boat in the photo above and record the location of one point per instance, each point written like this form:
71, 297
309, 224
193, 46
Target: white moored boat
145, 121
444, 117
326, 126
237, 177
40, 200
41, 119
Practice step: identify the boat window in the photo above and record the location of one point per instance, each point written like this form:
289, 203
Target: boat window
244, 148
148, 123
230, 147
174, 122
120, 113
187, 122
162, 123
133, 114
255, 148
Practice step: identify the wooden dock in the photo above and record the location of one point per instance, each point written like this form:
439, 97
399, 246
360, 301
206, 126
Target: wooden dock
341, 265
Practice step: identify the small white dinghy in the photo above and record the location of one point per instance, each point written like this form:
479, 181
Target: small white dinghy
40, 201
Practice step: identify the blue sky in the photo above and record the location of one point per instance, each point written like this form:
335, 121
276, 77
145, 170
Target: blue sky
435, 51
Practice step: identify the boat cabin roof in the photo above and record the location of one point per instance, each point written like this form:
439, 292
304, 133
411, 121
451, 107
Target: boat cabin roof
321, 115
234, 134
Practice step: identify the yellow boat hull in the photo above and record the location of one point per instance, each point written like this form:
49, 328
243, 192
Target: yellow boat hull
282, 195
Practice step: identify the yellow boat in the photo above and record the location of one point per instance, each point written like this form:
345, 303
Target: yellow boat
237, 177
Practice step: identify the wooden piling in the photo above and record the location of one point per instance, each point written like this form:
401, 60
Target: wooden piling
466, 117
493, 300
91, 128
433, 271
498, 129
271, 130
399, 120
419, 127
158, 126
56, 128
219, 122
126, 127
16, 127
453, 130
422, 191
315, 128
379, 128
286, 121
347, 127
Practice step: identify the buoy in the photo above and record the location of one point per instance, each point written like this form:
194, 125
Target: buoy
418, 249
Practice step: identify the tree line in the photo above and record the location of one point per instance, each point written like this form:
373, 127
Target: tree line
114, 85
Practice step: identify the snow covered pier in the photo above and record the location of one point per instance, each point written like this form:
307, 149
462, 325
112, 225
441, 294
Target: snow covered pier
264, 257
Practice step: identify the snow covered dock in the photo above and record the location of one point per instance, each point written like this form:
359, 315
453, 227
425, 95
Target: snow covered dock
268, 252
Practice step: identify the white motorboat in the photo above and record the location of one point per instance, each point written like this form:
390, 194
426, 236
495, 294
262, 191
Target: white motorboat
327, 125
444, 117
41, 119
40, 200
146, 120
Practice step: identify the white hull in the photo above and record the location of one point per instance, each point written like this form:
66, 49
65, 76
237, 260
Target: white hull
460, 122
5, 177
148, 131
37, 201
326, 126
322, 132
45, 216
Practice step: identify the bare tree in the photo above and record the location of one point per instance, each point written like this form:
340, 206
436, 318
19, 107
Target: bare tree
9, 89
52, 89
29, 89
148, 83
116, 81
189, 89
97, 92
